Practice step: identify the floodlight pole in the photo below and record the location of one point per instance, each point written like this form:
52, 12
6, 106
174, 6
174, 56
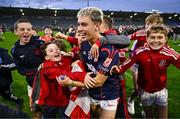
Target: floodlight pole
87, 3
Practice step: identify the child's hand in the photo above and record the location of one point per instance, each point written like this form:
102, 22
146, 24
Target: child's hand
60, 35
114, 69
94, 51
141, 33
68, 54
64, 80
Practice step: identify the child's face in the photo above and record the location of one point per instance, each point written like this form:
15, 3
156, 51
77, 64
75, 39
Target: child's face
48, 32
24, 32
53, 53
156, 40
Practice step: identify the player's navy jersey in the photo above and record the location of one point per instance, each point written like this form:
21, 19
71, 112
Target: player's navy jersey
108, 57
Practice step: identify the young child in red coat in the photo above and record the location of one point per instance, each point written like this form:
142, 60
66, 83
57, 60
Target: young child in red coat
53, 96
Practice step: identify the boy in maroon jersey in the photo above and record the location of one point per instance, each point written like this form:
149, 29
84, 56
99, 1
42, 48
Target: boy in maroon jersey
153, 60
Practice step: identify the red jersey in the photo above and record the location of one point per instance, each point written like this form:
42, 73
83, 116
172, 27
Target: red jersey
140, 36
153, 66
47, 38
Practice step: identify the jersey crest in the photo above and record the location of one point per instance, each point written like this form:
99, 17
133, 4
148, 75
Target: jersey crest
162, 63
107, 62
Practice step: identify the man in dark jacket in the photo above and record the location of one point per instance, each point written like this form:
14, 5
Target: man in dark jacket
6, 65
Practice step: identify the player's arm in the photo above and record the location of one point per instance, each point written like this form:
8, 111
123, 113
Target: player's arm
76, 79
119, 41
70, 39
7, 63
176, 59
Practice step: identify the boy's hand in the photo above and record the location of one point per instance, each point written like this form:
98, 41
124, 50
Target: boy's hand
114, 69
60, 35
64, 80
141, 33
94, 51
89, 82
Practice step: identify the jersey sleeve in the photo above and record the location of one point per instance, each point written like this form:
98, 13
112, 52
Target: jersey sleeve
108, 57
7, 62
72, 40
119, 41
176, 59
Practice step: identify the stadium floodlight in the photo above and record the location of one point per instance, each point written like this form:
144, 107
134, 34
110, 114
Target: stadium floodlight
175, 15
21, 10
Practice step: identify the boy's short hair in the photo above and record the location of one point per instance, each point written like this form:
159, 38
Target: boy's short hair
160, 28
61, 45
47, 27
43, 49
20, 21
108, 21
95, 14
154, 18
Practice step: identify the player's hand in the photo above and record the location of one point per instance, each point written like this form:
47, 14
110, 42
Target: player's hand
89, 82
60, 35
94, 51
114, 69
64, 80
141, 33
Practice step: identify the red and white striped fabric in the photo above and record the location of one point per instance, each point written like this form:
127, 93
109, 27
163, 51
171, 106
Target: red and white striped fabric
79, 103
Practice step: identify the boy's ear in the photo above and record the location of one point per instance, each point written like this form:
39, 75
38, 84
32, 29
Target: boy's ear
98, 26
15, 31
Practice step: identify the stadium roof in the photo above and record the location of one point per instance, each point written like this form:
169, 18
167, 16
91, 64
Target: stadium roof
167, 6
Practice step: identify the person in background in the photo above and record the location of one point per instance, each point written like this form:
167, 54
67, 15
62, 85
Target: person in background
48, 34
8, 112
6, 66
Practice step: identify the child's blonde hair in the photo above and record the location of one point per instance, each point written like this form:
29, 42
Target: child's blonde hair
154, 18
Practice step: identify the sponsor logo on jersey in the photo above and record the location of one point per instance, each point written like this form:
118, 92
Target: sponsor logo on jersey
107, 62
22, 56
